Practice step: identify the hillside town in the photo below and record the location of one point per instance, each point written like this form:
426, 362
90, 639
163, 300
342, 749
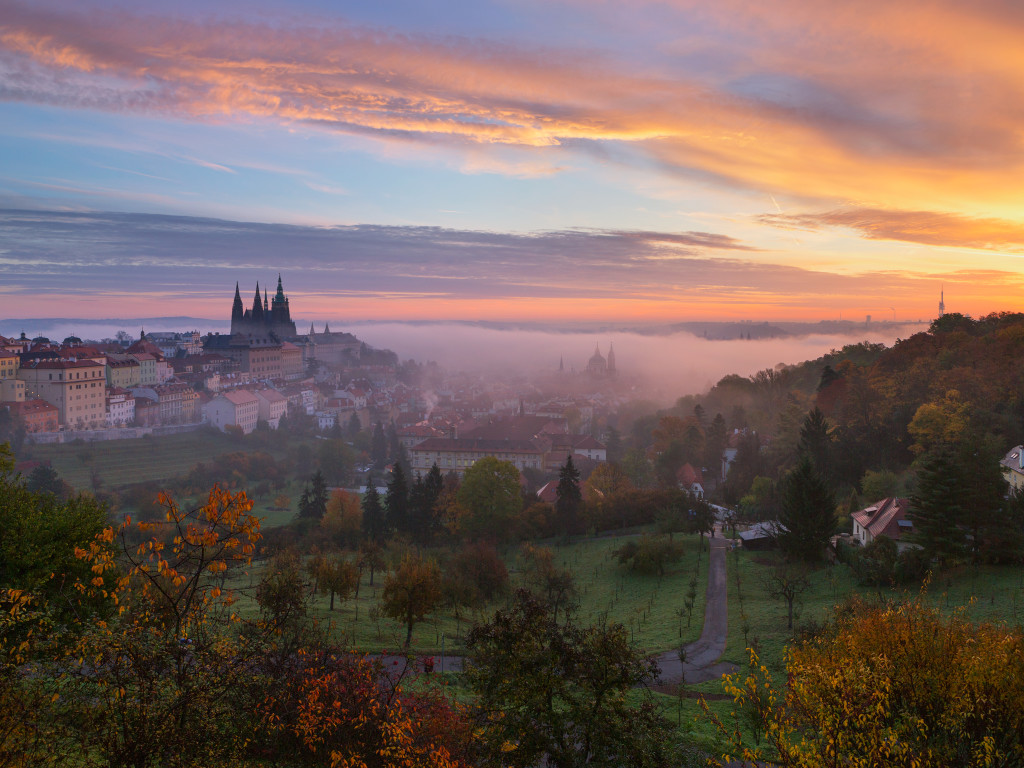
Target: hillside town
264, 370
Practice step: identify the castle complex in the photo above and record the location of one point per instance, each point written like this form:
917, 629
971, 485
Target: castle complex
273, 317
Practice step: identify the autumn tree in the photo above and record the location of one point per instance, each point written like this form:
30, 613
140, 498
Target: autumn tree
411, 592
563, 694
338, 576
160, 678
553, 585
892, 685
343, 521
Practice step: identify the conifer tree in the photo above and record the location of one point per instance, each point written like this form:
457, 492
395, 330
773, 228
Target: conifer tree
937, 508
808, 514
396, 501
373, 513
568, 497
378, 447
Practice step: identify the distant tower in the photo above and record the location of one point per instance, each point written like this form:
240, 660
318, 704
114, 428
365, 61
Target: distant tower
942, 302
257, 307
561, 364
237, 312
611, 359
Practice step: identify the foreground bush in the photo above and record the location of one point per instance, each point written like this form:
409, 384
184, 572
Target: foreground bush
898, 685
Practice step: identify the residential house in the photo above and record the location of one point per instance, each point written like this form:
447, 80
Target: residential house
236, 407
120, 407
272, 406
888, 517
1013, 467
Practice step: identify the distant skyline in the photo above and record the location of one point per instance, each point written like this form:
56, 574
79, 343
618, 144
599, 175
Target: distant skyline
647, 161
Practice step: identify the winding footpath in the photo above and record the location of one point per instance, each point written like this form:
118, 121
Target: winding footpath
702, 655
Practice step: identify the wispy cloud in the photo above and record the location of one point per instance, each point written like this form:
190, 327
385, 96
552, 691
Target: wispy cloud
433, 272
926, 227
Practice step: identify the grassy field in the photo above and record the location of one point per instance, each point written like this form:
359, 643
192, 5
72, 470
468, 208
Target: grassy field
120, 462
647, 605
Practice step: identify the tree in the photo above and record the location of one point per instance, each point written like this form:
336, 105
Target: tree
339, 577
423, 501
379, 447
554, 586
564, 695
313, 502
568, 497
343, 521
807, 516
354, 426
937, 508
490, 494
816, 442
44, 479
649, 555
374, 527
411, 592
893, 685
787, 582
396, 501
39, 534
159, 678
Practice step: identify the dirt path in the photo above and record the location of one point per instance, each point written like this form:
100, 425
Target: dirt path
702, 656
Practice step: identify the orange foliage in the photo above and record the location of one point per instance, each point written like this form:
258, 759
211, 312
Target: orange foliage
348, 711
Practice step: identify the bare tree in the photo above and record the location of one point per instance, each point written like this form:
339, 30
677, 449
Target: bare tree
787, 582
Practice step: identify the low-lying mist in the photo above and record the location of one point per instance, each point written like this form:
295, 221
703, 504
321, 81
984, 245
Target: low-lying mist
670, 365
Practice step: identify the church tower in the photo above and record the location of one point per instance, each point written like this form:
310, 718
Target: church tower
942, 302
237, 313
611, 359
257, 308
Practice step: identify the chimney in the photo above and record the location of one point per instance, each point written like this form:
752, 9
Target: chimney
1020, 457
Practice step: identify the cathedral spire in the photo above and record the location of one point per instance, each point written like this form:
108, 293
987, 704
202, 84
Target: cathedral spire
257, 306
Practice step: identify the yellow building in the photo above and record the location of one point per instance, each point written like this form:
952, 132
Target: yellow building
76, 387
8, 364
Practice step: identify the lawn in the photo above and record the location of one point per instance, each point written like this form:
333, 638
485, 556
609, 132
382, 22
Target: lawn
647, 605
121, 462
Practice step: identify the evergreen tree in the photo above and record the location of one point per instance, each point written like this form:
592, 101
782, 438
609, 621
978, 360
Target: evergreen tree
373, 513
938, 508
396, 501
568, 497
715, 439
314, 500
395, 450
423, 497
816, 443
379, 447
613, 444
808, 514
354, 425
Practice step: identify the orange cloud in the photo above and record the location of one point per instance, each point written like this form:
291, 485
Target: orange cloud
926, 227
872, 103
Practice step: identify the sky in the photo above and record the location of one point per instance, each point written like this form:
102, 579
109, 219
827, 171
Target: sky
517, 160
